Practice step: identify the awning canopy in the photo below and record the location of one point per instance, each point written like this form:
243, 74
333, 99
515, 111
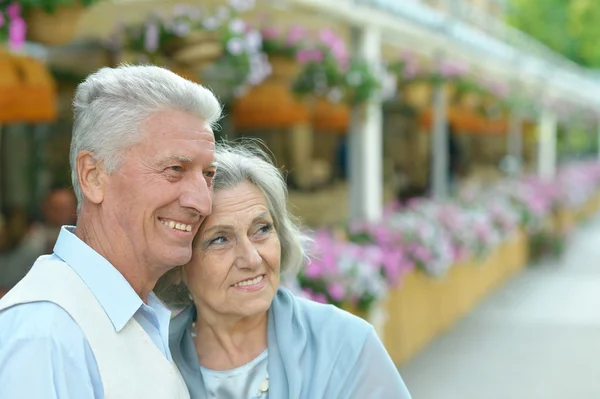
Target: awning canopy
27, 90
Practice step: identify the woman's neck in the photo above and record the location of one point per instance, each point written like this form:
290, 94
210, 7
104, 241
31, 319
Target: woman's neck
225, 344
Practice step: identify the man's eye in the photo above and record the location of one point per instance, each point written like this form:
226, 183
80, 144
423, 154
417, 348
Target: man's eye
210, 174
176, 168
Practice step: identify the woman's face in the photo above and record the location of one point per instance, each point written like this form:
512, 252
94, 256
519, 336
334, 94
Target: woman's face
234, 271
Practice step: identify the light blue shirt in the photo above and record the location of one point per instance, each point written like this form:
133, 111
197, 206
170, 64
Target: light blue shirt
43, 352
314, 351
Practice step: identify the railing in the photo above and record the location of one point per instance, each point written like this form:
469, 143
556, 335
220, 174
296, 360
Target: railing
493, 37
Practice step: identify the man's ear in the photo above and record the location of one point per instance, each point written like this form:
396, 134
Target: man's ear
91, 175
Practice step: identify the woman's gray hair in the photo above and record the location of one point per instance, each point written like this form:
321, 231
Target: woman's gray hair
237, 163
112, 103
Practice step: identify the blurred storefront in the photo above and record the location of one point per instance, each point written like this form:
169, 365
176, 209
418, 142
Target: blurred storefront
368, 104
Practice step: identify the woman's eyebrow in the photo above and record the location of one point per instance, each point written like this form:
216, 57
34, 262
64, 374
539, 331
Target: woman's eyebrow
263, 215
225, 227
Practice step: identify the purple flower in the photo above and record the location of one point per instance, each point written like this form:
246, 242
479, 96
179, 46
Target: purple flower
319, 297
151, 38
309, 55
180, 28
13, 10
449, 69
1, 19
314, 269
336, 291
237, 26
235, 46
339, 51
328, 37
16, 33
393, 262
295, 35
271, 33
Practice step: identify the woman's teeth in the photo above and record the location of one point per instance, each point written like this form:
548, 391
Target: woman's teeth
249, 282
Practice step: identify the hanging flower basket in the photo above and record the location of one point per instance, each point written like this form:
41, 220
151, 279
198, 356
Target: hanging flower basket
418, 94
283, 68
27, 91
269, 105
196, 50
55, 28
330, 117
470, 101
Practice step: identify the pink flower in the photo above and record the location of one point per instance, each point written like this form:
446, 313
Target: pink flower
339, 51
151, 38
295, 35
314, 269
13, 11
16, 32
309, 55
271, 33
336, 291
328, 37
318, 297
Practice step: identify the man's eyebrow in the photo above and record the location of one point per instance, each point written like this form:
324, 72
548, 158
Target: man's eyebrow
179, 158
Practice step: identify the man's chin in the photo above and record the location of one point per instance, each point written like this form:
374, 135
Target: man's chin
178, 258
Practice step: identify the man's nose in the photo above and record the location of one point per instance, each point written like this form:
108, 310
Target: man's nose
197, 196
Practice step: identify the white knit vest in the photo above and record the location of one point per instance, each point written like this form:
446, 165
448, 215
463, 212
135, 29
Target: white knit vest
130, 364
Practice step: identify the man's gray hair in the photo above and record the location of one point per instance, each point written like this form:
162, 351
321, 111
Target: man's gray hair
112, 103
238, 163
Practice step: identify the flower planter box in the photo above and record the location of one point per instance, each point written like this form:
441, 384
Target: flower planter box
422, 307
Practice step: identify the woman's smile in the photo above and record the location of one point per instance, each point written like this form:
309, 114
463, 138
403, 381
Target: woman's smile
251, 285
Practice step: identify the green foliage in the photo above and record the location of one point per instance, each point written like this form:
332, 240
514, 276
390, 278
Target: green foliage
320, 76
361, 83
571, 28
51, 5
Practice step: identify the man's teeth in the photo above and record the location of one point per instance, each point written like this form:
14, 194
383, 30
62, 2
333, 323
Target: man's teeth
178, 226
249, 282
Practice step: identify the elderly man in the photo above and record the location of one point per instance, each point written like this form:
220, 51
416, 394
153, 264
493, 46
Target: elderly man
84, 323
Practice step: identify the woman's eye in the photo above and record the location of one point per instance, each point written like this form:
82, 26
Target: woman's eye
265, 228
217, 240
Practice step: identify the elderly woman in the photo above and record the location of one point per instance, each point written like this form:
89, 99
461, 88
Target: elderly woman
244, 336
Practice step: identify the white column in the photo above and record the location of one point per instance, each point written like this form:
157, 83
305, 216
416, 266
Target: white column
547, 145
365, 138
515, 142
439, 144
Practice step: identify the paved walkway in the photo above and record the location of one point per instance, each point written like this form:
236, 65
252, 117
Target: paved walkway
536, 337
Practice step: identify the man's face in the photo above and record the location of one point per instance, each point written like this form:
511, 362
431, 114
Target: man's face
162, 191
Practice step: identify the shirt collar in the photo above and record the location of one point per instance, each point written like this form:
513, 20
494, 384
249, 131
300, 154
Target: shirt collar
117, 298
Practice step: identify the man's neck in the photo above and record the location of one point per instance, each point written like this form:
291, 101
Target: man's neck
122, 259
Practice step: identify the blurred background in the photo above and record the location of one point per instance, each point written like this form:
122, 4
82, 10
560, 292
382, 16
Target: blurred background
443, 154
